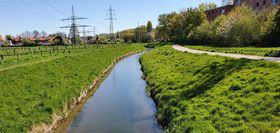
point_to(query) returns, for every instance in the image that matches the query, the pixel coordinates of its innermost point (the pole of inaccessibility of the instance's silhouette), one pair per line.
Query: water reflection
(120, 105)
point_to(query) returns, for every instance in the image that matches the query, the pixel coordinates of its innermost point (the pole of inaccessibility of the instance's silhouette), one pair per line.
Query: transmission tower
(74, 32)
(94, 31)
(111, 18)
(85, 33)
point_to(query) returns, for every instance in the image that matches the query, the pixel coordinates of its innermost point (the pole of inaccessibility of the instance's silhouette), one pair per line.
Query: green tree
(164, 26)
(243, 27)
(184, 23)
(128, 35)
(273, 30)
(218, 31)
(201, 34)
(149, 29)
(207, 6)
(149, 26)
(141, 34)
(9, 37)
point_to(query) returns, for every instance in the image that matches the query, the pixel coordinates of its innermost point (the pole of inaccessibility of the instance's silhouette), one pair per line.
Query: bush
(201, 34)
(271, 29)
(156, 44)
(242, 26)
(27, 42)
(217, 31)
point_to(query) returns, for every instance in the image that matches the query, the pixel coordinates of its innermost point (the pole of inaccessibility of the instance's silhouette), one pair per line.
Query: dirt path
(238, 56)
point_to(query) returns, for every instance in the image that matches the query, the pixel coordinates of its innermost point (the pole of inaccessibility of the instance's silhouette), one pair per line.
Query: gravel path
(238, 56)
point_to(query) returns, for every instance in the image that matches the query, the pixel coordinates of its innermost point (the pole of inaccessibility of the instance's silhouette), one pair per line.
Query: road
(237, 56)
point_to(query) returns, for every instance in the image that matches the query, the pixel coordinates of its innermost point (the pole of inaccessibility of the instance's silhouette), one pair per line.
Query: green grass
(237, 50)
(156, 44)
(56, 52)
(202, 93)
(29, 95)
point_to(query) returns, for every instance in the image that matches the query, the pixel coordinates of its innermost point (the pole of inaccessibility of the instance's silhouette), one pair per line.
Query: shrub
(201, 34)
(271, 29)
(242, 26)
(217, 30)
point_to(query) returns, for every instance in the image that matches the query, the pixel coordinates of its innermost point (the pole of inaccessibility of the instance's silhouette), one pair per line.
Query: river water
(120, 104)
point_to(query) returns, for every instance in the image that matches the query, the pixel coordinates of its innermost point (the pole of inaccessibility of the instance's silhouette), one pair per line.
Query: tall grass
(29, 95)
(202, 93)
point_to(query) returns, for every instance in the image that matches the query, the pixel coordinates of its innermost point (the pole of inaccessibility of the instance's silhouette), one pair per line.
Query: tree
(218, 31)
(149, 29)
(185, 23)
(128, 35)
(207, 6)
(201, 34)
(9, 37)
(141, 34)
(36, 34)
(272, 35)
(243, 27)
(149, 26)
(164, 27)
(44, 34)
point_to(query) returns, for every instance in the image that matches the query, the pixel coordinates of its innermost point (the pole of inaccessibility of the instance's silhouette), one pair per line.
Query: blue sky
(17, 16)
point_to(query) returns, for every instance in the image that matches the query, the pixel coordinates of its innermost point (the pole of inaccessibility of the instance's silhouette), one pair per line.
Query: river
(120, 104)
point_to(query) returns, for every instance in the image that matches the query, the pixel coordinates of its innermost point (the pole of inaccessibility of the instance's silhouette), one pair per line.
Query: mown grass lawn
(202, 93)
(30, 95)
(237, 50)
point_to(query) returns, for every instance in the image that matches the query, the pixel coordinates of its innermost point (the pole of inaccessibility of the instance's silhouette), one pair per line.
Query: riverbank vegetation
(31, 94)
(238, 50)
(241, 27)
(198, 93)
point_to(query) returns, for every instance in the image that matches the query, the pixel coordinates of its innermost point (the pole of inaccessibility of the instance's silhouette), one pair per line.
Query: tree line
(143, 33)
(28, 38)
(241, 27)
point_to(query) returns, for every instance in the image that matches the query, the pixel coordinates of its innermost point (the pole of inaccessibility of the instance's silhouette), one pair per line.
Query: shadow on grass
(212, 74)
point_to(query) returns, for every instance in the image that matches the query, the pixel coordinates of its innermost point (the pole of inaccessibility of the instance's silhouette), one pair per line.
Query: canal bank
(73, 107)
(120, 103)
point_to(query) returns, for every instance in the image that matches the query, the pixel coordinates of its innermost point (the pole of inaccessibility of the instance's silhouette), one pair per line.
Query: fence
(18, 52)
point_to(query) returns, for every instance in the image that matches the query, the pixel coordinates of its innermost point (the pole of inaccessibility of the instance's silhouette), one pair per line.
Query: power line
(85, 34)
(94, 31)
(43, 11)
(23, 10)
(53, 7)
(74, 33)
(111, 18)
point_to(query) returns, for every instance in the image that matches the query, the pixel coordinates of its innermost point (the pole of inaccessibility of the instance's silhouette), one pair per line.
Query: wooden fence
(18, 52)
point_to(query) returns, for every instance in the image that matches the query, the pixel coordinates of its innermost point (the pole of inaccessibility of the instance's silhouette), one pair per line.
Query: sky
(17, 16)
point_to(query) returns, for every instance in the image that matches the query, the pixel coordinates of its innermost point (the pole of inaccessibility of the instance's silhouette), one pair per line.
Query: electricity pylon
(111, 18)
(74, 32)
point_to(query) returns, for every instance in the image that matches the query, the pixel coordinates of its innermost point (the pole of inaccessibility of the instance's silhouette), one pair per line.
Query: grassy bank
(237, 50)
(202, 93)
(29, 95)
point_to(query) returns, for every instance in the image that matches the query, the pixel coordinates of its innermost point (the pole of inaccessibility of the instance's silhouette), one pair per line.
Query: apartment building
(257, 5)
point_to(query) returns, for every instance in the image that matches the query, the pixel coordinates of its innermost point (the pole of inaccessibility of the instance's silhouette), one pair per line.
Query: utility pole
(111, 18)
(74, 32)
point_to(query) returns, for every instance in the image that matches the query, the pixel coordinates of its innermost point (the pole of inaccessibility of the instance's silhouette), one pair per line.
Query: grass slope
(29, 95)
(237, 50)
(202, 93)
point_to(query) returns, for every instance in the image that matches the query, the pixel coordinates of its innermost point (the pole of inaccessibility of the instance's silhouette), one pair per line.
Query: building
(257, 5)
(2, 40)
(214, 13)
